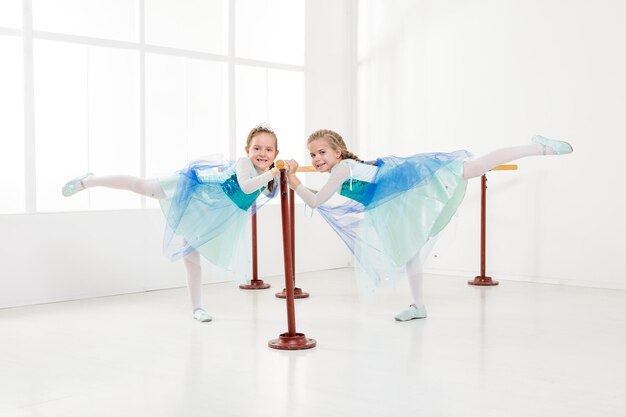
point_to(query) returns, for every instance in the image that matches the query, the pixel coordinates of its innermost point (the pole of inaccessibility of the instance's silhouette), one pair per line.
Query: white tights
(194, 279)
(415, 275)
(148, 187)
(152, 188)
(471, 169)
(479, 166)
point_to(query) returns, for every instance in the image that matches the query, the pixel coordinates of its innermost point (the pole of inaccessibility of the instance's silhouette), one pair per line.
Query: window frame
(29, 35)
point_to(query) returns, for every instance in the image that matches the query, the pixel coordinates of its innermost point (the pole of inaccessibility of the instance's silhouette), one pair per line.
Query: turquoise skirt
(388, 221)
(206, 211)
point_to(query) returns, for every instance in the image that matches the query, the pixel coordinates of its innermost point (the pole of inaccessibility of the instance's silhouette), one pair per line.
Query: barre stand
(255, 282)
(297, 292)
(482, 279)
(291, 340)
(258, 284)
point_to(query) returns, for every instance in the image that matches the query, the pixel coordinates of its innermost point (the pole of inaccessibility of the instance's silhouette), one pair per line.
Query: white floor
(519, 349)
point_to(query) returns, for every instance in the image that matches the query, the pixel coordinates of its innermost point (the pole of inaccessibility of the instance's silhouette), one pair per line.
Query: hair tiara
(264, 127)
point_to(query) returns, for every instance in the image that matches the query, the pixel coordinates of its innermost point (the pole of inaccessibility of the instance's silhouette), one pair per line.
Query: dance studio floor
(520, 349)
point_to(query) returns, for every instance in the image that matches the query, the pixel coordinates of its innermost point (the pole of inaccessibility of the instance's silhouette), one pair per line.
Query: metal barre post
(255, 283)
(483, 279)
(290, 340)
(297, 292)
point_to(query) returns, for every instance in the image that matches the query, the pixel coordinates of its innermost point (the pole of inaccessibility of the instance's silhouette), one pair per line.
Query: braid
(272, 183)
(350, 155)
(336, 142)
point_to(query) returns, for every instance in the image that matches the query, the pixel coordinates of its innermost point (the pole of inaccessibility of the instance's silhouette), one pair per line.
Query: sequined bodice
(361, 191)
(234, 192)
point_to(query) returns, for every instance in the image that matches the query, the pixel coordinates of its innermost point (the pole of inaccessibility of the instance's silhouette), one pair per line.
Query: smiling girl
(397, 206)
(206, 205)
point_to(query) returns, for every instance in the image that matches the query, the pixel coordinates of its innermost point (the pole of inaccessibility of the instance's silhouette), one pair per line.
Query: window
(104, 19)
(186, 112)
(276, 95)
(12, 126)
(11, 14)
(140, 88)
(270, 30)
(86, 107)
(191, 25)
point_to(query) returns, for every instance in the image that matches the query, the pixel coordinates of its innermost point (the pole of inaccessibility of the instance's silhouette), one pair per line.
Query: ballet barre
(306, 168)
(291, 340)
(483, 279)
(479, 280)
(255, 282)
(297, 292)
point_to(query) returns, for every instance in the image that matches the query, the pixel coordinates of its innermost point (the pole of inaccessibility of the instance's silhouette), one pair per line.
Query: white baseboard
(538, 280)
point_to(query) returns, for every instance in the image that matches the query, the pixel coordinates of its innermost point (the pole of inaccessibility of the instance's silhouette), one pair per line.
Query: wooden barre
(280, 164)
(505, 167)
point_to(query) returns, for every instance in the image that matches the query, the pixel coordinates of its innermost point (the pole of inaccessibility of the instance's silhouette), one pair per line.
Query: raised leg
(148, 187)
(541, 146)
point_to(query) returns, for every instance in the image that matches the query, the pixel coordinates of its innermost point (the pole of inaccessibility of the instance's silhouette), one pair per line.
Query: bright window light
(270, 30)
(192, 24)
(186, 112)
(186, 88)
(86, 107)
(108, 19)
(275, 97)
(12, 126)
(11, 13)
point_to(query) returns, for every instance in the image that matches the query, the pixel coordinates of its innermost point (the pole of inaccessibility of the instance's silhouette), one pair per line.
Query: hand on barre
(292, 166)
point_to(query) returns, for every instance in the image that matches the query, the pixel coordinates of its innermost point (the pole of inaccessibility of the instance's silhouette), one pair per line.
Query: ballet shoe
(558, 146)
(201, 315)
(70, 187)
(412, 313)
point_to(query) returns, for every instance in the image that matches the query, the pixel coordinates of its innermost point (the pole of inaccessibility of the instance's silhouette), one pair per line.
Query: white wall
(447, 75)
(63, 256)
(494, 74)
(330, 65)
(66, 256)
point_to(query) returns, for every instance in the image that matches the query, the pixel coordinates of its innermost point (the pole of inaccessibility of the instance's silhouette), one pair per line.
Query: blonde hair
(335, 141)
(263, 128)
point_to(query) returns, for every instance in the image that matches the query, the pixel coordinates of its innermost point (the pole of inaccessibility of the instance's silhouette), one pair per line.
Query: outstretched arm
(339, 174)
(247, 177)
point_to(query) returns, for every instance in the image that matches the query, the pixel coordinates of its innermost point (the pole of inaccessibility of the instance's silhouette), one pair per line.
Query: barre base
(296, 342)
(482, 281)
(255, 284)
(297, 293)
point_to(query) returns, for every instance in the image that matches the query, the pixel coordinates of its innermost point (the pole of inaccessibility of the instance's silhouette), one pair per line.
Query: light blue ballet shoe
(412, 313)
(70, 188)
(558, 146)
(201, 315)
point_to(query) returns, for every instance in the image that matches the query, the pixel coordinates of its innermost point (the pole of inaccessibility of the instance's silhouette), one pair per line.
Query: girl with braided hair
(396, 206)
(206, 206)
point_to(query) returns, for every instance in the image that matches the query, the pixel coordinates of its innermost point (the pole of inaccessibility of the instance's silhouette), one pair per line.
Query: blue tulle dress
(207, 211)
(394, 208)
